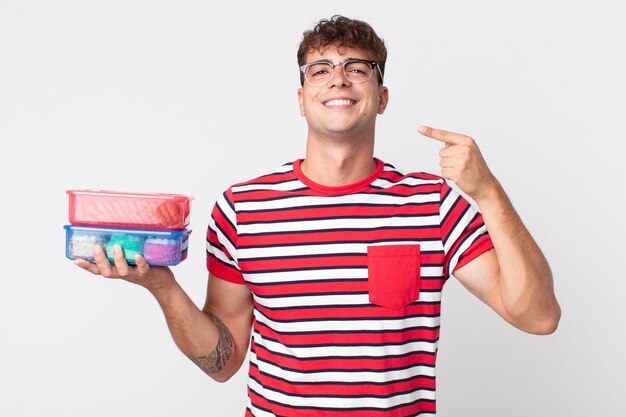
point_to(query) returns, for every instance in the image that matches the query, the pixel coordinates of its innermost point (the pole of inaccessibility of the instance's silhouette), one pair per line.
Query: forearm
(526, 286)
(517, 281)
(202, 337)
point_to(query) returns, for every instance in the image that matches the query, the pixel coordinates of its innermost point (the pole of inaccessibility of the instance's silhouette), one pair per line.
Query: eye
(358, 69)
(318, 70)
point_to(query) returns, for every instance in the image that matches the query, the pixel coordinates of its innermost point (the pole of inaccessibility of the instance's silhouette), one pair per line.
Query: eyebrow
(332, 62)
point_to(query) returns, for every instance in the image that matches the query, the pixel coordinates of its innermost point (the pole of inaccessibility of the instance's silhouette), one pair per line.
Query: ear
(301, 101)
(383, 99)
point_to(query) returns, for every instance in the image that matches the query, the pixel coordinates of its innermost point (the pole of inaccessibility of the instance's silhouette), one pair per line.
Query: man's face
(341, 106)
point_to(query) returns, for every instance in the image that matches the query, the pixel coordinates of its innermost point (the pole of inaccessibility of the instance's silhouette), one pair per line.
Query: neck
(335, 162)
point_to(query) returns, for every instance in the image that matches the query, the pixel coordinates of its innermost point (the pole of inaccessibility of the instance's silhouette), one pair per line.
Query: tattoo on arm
(215, 361)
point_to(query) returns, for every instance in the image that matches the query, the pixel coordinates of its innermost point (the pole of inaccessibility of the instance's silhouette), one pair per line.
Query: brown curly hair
(343, 32)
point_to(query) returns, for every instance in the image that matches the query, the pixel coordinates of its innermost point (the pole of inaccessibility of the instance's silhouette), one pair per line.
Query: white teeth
(342, 102)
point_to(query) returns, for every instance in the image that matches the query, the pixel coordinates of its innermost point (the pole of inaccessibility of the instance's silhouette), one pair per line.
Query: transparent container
(158, 247)
(129, 210)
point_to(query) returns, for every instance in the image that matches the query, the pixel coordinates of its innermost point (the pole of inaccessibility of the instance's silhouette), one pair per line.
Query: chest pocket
(393, 274)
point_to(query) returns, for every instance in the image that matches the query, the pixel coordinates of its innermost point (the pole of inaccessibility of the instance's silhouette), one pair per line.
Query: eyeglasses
(355, 70)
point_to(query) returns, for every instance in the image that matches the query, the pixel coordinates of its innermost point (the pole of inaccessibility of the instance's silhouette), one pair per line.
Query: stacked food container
(150, 225)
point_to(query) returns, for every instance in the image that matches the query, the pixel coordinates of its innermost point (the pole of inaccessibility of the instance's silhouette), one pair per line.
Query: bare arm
(515, 280)
(215, 338)
(230, 308)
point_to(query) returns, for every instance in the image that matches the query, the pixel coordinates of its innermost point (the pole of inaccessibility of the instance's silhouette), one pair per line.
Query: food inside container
(158, 247)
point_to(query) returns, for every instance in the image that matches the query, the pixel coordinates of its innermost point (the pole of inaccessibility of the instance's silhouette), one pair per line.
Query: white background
(190, 97)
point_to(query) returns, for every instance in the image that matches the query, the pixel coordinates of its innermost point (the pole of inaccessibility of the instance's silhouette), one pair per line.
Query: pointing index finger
(450, 138)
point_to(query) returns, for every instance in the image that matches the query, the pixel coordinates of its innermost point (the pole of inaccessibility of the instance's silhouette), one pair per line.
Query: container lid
(165, 233)
(109, 193)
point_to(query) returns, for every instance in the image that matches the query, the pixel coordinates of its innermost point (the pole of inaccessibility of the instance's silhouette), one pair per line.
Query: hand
(153, 278)
(462, 163)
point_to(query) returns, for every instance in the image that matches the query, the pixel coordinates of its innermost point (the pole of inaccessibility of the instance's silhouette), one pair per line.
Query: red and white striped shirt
(346, 284)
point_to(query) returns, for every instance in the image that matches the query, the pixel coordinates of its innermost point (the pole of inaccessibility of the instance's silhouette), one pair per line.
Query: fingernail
(422, 129)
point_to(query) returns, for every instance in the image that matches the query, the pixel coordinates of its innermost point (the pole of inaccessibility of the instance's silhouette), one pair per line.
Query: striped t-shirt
(346, 284)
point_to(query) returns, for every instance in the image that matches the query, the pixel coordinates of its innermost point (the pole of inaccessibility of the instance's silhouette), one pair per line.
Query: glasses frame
(343, 64)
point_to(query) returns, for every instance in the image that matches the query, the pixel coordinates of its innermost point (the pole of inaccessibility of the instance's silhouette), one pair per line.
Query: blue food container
(158, 247)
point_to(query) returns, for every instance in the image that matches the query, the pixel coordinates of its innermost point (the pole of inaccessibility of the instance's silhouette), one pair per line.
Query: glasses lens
(319, 74)
(358, 71)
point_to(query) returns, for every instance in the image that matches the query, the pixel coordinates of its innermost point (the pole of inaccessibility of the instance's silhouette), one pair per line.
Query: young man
(337, 261)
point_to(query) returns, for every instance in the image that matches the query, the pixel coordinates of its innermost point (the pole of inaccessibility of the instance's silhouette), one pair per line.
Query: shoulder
(260, 187)
(393, 176)
(280, 174)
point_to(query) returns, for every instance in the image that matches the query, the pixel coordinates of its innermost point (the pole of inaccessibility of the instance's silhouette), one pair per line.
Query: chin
(342, 128)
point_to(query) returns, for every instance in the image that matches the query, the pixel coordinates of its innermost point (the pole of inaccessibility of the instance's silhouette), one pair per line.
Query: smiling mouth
(340, 102)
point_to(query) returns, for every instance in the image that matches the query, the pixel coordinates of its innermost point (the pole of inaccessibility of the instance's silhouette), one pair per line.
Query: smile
(340, 102)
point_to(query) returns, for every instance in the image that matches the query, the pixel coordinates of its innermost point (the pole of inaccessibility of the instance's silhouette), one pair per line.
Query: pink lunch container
(129, 210)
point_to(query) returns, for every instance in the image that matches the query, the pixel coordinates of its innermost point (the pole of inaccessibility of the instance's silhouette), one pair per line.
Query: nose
(337, 77)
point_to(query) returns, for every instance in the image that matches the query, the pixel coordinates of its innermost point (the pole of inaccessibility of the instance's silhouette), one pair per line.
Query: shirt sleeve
(463, 232)
(221, 240)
